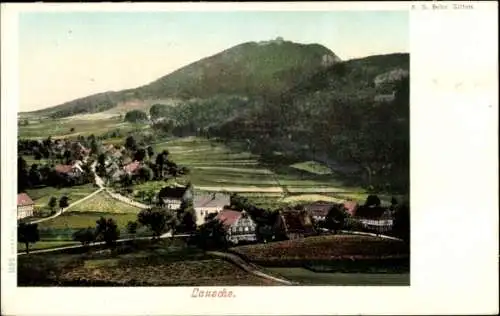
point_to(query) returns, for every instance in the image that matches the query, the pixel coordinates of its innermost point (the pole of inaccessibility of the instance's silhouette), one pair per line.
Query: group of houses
(290, 223)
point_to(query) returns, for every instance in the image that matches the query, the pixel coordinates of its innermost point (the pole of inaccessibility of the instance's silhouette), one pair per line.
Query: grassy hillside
(247, 69)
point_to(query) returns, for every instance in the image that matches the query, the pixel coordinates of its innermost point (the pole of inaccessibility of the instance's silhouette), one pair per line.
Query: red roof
(64, 168)
(228, 217)
(132, 167)
(23, 199)
(351, 207)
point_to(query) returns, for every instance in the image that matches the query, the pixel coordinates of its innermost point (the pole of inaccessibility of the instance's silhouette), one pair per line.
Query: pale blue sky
(69, 55)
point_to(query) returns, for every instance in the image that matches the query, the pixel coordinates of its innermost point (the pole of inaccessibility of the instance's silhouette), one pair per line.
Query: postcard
(199, 158)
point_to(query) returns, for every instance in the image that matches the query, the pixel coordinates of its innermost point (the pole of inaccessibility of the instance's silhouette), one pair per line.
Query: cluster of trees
(136, 116)
(63, 202)
(45, 175)
(106, 230)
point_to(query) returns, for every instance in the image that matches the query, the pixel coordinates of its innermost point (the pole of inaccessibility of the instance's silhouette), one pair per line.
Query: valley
(142, 182)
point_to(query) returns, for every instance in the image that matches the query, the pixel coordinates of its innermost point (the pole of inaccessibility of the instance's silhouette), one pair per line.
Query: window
(246, 228)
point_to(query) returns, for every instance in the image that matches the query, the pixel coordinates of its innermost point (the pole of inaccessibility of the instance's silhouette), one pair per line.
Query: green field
(103, 203)
(307, 277)
(215, 166)
(82, 126)
(78, 220)
(41, 196)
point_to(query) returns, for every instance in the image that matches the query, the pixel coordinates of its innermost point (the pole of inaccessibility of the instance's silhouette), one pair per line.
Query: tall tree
(85, 236)
(63, 202)
(22, 175)
(130, 143)
(150, 151)
(107, 231)
(52, 203)
(27, 234)
(158, 220)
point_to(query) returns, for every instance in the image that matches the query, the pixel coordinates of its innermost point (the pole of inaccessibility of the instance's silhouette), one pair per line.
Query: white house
(209, 203)
(239, 226)
(172, 197)
(25, 206)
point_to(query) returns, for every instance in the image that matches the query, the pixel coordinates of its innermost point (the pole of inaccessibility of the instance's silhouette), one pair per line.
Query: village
(115, 170)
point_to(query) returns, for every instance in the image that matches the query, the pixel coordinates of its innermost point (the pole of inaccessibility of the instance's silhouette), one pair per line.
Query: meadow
(82, 125)
(41, 196)
(218, 167)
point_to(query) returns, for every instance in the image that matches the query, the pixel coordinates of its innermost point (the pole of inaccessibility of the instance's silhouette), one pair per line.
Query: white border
(454, 123)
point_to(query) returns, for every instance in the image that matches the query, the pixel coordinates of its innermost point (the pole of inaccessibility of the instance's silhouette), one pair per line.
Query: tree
(161, 159)
(101, 159)
(158, 220)
(150, 151)
(107, 231)
(37, 155)
(67, 155)
(136, 116)
(85, 236)
(27, 234)
(94, 146)
(22, 174)
(35, 177)
(145, 173)
(372, 200)
(63, 202)
(140, 154)
(52, 204)
(335, 218)
(211, 235)
(130, 143)
(158, 110)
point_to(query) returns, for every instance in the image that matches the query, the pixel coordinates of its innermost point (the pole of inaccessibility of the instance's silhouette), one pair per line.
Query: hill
(354, 112)
(249, 69)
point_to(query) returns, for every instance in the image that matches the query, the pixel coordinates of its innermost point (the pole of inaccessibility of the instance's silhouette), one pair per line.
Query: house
(132, 167)
(209, 203)
(374, 218)
(25, 206)
(239, 226)
(72, 170)
(293, 224)
(319, 209)
(172, 196)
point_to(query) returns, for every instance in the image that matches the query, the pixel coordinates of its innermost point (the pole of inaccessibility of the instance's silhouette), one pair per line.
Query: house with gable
(294, 224)
(25, 206)
(73, 170)
(171, 197)
(319, 209)
(239, 225)
(375, 218)
(205, 204)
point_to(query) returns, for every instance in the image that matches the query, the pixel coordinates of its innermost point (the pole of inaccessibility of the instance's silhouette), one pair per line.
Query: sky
(67, 55)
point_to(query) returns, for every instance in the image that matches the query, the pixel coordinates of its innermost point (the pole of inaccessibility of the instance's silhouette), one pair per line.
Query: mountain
(356, 111)
(249, 69)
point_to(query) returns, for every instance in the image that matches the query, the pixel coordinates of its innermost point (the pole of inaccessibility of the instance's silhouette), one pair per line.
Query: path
(248, 267)
(166, 235)
(114, 195)
(65, 209)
